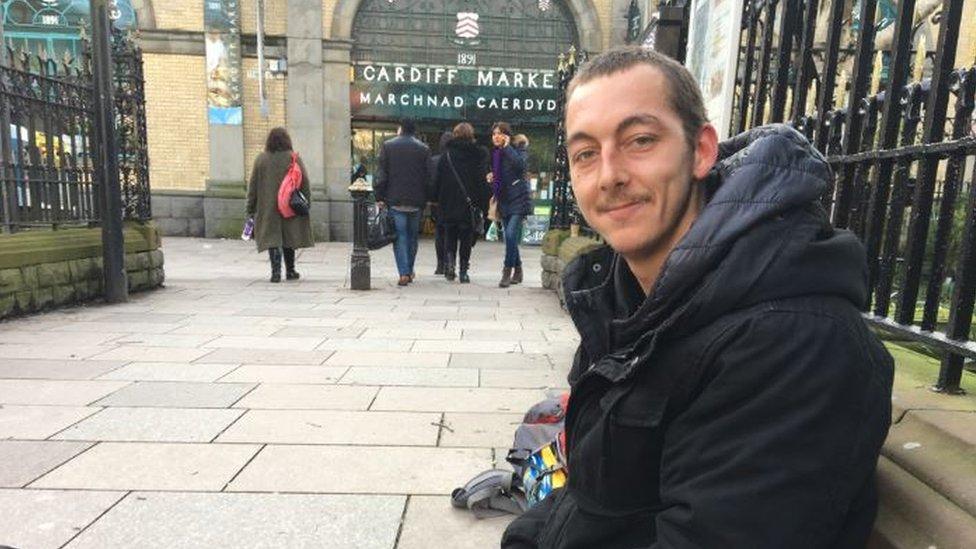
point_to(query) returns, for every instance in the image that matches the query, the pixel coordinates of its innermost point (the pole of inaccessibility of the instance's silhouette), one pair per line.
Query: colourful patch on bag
(545, 471)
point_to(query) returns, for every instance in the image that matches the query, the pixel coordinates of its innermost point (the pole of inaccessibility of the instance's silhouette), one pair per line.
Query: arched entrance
(445, 61)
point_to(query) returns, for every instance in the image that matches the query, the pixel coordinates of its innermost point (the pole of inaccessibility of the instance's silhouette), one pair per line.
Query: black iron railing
(49, 152)
(904, 167)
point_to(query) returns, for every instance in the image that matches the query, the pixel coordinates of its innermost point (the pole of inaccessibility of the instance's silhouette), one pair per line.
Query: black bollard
(359, 264)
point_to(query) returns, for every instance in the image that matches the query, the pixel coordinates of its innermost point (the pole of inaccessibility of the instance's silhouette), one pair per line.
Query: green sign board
(438, 92)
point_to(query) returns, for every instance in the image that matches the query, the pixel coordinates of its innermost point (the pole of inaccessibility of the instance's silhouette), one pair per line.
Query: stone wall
(558, 250)
(44, 269)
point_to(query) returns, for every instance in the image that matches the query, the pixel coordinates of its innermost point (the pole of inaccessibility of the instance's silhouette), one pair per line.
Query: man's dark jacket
(402, 177)
(742, 403)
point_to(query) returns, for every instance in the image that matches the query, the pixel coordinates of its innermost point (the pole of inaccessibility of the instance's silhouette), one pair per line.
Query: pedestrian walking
(511, 192)
(435, 212)
(726, 391)
(402, 181)
(461, 193)
(272, 232)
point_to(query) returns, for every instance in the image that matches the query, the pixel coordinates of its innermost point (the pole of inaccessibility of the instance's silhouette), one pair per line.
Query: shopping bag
(492, 235)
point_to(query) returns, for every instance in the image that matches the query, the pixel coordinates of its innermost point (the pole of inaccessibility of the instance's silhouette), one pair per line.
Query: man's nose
(612, 172)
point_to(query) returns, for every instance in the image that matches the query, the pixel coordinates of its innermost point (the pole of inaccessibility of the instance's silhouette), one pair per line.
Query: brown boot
(517, 275)
(506, 280)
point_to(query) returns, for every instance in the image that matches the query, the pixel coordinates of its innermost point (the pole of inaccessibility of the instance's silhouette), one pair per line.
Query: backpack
(538, 458)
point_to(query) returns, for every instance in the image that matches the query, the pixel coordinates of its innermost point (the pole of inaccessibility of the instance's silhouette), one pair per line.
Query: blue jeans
(513, 226)
(405, 248)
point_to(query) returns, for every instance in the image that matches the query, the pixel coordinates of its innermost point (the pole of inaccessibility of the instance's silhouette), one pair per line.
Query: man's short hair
(407, 126)
(683, 92)
(464, 131)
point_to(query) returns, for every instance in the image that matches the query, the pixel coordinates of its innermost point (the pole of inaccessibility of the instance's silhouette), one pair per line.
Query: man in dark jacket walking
(726, 392)
(401, 182)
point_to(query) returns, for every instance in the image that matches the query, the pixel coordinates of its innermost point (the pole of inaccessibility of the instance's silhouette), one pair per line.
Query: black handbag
(477, 216)
(299, 202)
(380, 228)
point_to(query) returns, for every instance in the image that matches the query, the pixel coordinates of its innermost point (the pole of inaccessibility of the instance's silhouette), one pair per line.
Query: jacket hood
(762, 235)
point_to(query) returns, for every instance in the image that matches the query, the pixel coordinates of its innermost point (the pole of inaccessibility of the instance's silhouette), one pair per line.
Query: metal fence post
(672, 30)
(359, 270)
(113, 247)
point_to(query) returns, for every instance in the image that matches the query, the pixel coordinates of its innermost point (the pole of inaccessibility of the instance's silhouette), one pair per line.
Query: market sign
(475, 94)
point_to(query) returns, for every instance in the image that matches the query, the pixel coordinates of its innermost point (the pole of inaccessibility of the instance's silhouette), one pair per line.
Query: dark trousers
(458, 240)
(439, 242)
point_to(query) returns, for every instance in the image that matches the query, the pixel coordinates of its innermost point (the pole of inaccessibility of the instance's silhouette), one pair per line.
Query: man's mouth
(622, 210)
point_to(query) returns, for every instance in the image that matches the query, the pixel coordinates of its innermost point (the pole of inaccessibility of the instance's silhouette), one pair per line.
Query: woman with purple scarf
(511, 191)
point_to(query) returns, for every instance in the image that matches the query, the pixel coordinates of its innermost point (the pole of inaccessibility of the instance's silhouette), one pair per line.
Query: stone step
(913, 515)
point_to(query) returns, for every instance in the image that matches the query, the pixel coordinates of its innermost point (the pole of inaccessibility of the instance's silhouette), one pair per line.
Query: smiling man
(726, 392)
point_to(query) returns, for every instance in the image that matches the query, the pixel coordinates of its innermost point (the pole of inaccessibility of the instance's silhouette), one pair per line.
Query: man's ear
(706, 151)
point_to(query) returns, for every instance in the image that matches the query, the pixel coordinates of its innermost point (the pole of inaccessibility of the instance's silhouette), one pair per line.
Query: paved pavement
(225, 411)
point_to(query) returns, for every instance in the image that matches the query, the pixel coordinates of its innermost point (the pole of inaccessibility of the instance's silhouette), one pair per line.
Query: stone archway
(583, 11)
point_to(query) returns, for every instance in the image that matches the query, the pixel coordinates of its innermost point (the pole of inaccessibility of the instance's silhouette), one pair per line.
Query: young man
(726, 392)
(401, 181)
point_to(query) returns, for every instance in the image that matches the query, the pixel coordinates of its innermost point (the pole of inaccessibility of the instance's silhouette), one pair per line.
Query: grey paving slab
(400, 359)
(265, 356)
(467, 346)
(483, 325)
(265, 343)
(524, 379)
(427, 377)
(320, 332)
(151, 520)
(358, 470)
(231, 329)
(394, 325)
(51, 351)
(468, 430)
(143, 317)
(276, 373)
(503, 335)
(152, 425)
(46, 338)
(321, 397)
(448, 399)
(169, 371)
(334, 427)
(151, 466)
(152, 354)
(164, 340)
(174, 394)
(39, 422)
(411, 333)
(381, 345)
(430, 518)
(515, 361)
(22, 461)
(549, 347)
(93, 327)
(68, 393)
(12, 368)
(47, 519)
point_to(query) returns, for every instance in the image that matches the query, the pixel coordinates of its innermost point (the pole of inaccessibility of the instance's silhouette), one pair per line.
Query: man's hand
(490, 177)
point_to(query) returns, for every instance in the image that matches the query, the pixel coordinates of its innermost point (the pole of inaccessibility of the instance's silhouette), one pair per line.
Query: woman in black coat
(462, 164)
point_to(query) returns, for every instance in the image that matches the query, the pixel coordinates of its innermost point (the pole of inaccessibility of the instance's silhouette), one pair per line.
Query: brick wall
(176, 98)
(275, 17)
(179, 15)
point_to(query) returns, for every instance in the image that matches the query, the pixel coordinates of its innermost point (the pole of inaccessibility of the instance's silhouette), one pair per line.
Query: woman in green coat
(272, 232)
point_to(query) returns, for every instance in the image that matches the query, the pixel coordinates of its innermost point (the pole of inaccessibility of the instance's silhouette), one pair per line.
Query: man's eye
(643, 140)
(582, 156)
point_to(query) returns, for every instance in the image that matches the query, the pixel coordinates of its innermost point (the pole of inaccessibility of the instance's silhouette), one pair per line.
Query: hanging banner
(713, 48)
(222, 24)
